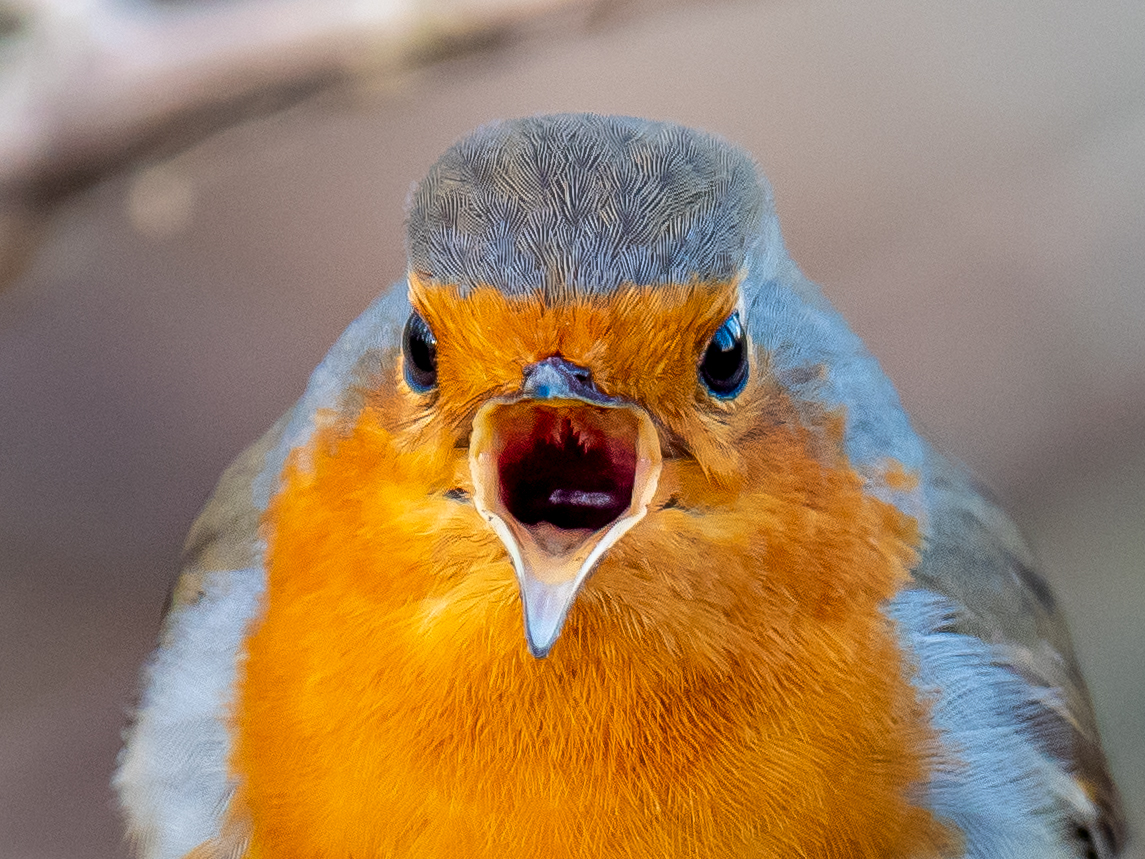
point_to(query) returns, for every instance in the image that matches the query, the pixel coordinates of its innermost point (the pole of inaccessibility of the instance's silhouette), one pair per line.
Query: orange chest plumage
(726, 684)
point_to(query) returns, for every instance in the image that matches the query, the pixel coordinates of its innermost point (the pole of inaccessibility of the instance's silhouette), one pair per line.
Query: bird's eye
(724, 365)
(420, 349)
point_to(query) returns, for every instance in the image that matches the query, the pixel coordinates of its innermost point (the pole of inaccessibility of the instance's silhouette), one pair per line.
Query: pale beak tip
(542, 637)
(546, 607)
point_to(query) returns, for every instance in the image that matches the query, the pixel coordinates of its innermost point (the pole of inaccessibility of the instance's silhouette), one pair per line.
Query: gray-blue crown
(585, 203)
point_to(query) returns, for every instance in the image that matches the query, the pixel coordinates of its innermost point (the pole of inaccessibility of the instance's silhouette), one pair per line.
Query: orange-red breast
(603, 536)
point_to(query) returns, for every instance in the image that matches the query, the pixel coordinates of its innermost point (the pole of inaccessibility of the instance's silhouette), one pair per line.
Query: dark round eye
(724, 366)
(420, 349)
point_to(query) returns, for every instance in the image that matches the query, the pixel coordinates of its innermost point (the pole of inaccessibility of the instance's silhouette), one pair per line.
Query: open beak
(560, 473)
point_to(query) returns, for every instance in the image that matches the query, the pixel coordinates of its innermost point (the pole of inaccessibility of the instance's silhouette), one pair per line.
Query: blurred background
(196, 197)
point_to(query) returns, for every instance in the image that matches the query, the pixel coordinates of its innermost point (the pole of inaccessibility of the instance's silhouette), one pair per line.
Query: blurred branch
(86, 85)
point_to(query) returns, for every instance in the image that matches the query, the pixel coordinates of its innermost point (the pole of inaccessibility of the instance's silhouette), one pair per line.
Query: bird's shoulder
(224, 540)
(987, 631)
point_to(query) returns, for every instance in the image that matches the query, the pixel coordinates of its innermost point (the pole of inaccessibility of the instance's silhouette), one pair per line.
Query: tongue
(578, 498)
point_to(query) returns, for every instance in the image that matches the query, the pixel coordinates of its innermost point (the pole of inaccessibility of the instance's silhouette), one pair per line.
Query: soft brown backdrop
(967, 181)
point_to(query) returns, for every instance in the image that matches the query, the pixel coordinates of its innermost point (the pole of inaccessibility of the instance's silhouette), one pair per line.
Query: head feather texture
(579, 203)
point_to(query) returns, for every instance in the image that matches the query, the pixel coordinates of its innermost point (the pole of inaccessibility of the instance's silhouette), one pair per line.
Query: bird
(601, 534)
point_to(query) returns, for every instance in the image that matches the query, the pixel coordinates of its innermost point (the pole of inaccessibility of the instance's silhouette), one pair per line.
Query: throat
(711, 695)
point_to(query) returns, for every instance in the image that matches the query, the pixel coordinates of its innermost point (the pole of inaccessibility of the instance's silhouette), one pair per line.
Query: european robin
(603, 536)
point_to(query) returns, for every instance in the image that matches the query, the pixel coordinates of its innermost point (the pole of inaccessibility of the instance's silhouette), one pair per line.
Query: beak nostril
(556, 378)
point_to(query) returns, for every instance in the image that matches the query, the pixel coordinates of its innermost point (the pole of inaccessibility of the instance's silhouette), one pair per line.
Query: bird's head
(576, 321)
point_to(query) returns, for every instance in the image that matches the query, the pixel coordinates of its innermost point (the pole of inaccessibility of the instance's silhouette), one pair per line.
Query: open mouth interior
(561, 480)
(573, 468)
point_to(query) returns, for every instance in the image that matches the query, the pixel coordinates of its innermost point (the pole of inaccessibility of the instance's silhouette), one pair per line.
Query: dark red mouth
(571, 466)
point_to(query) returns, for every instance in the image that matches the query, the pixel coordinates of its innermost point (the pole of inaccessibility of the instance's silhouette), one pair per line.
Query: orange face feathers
(642, 345)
